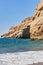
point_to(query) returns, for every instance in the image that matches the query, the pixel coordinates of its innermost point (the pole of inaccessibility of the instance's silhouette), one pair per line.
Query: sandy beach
(36, 64)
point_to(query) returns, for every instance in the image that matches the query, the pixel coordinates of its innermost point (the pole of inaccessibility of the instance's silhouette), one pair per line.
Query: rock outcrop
(20, 31)
(36, 27)
(31, 27)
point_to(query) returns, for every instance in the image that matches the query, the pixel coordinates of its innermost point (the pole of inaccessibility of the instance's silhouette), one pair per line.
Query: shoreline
(22, 58)
(36, 64)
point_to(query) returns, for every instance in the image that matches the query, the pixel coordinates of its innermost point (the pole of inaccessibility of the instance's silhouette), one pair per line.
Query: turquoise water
(19, 45)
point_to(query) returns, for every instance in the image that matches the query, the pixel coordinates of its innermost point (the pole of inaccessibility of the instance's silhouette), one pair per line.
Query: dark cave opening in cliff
(26, 32)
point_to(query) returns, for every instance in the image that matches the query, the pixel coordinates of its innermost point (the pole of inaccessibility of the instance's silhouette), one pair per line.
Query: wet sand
(36, 64)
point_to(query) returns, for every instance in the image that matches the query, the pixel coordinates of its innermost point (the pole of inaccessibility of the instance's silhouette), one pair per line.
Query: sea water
(20, 51)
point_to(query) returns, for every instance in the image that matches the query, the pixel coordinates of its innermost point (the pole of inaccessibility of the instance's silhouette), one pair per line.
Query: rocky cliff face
(20, 31)
(36, 27)
(31, 27)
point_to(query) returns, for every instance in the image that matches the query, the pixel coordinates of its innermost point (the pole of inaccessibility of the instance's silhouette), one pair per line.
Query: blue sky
(12, 12)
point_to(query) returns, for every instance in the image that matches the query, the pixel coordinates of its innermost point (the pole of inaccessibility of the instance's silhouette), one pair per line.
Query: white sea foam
(21, 58)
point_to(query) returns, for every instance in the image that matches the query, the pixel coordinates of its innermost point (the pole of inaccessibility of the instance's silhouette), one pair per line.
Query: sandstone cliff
(20, 31)
(31, 27)
(36, 27)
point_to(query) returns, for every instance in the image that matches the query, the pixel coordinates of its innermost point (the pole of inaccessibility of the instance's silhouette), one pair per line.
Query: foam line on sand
(21, 58)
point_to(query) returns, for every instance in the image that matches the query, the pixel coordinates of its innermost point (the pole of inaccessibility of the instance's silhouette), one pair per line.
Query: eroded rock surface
(36, 27)
(20, 31)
